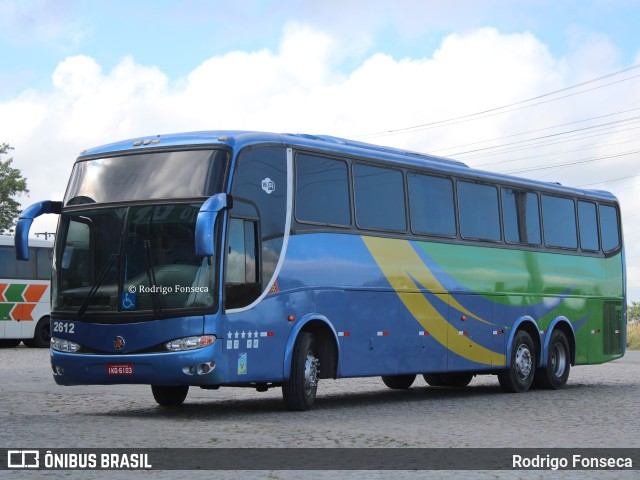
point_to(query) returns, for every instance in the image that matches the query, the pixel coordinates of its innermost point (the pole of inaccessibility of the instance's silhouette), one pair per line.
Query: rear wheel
(398, 382)
(519, 376)
(454, 380)
(433, 380)
(41, 336)
(299, 392)
(556, 373)
(169, 396)
(9, 342)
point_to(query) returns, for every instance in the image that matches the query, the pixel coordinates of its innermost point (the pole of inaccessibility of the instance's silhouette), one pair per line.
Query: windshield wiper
(151, 274)
(103, 274)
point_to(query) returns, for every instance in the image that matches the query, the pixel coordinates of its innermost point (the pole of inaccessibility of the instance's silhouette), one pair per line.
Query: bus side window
(520, 216)
(75, 255)
(379, 198)
(322, 191)
(478, 211)
(588, 222)
(242, 284)
(609, 228)
(431, 204)
(7, 261)
(559, 221)
(261, 179)
(45, 259)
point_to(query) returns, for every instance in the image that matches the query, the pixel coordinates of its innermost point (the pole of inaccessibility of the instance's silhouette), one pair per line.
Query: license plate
(120, 369)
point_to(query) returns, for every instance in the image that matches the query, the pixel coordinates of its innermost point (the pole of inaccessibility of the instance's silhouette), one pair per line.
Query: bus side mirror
(24, 225)
(206, 221)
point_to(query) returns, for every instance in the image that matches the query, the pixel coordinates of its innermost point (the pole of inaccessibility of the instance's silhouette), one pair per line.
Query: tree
(12, 183)
(633, 312)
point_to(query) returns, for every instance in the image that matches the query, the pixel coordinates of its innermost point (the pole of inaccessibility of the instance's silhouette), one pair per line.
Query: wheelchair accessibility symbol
(128, 301)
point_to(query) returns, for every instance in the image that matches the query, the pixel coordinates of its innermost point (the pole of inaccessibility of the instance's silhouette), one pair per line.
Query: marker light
(62, 345)
(190, 343)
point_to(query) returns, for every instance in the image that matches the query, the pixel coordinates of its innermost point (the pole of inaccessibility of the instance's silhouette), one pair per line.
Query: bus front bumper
(195, 367)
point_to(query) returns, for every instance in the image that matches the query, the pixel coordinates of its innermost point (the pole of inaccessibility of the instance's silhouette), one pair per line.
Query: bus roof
(238, 139)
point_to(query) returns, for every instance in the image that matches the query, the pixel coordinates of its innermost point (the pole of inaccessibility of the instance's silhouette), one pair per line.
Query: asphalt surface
(600, 407)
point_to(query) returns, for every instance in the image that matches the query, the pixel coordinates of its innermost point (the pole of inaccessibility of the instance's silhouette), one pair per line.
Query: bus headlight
(190, 343)
(63, 345)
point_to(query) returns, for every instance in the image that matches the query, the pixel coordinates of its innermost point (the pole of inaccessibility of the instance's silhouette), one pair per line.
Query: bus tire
(299, 392)
(398, 382)
(41, 335)
(9, 342)
(169, 396)
(519, 376)
(456, 380)
(556, 373)
(433, 380)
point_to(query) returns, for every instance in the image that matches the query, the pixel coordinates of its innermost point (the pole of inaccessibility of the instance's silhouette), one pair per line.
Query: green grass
(633, 336)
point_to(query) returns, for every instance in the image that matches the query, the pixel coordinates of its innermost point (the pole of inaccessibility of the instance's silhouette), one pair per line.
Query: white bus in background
(25, 299)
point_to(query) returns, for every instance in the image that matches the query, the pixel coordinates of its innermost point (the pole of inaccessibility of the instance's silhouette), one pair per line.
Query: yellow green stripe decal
(400, 264)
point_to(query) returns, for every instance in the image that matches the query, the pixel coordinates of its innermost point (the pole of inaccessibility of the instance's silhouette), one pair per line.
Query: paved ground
(599, 407)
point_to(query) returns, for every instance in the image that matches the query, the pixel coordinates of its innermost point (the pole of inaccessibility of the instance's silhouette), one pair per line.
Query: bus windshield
(131, 259)
(145, 176)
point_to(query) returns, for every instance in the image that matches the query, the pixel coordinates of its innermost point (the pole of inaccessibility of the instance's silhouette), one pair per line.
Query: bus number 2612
(63, 327)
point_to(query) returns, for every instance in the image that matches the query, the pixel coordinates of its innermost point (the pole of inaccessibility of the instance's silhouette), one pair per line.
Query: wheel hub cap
(311, 373)
(524, 361)
(558, 360)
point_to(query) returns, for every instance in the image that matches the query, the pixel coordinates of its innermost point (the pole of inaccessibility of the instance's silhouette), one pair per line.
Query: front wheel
(556, 373)
(519, 376)
(41, 335)
(398, 382)
(299, 392)
(169, 396)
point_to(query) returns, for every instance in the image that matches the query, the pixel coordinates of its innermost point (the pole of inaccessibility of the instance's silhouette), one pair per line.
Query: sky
(547, 90)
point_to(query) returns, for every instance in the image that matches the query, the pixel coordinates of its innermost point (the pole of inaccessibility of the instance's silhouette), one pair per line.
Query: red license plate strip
(120, 369)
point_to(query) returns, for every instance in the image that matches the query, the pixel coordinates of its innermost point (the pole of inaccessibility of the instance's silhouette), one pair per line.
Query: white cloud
(300, 88)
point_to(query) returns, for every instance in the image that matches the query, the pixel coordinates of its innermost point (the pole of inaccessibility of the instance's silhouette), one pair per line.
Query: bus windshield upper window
(185, 174)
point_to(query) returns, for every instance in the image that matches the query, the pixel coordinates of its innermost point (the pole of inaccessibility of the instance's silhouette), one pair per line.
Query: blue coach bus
(227, 258)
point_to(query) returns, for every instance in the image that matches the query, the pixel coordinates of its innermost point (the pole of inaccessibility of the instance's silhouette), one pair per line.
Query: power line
(609, 181)
(494, 111)
(562, 152)
(614, 122)
(532, 131)
(573, 138)
(556, 165)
